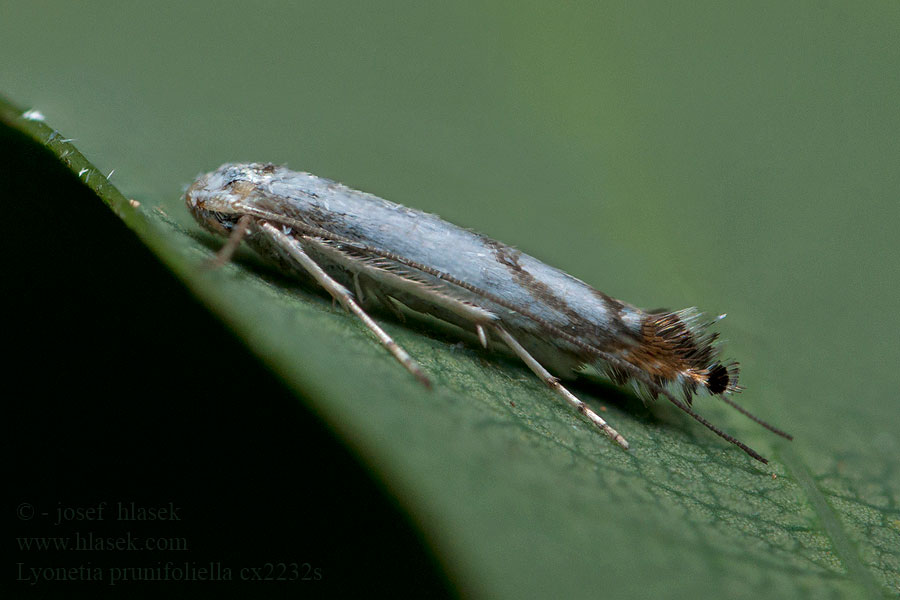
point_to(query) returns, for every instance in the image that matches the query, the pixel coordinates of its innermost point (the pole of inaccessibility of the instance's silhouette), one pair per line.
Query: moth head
(215, 199)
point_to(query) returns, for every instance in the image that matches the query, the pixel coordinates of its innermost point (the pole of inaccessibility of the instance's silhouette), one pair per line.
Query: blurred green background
(740, 157)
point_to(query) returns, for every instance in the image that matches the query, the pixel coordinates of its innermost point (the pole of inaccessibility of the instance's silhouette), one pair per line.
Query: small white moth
(343, 239)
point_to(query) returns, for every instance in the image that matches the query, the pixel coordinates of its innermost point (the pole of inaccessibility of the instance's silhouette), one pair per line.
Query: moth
(367, 252)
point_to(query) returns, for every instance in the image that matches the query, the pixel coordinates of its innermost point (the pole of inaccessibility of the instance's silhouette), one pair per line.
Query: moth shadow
(593, 389)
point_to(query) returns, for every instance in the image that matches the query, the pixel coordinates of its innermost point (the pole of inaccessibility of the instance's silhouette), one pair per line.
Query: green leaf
(746, 162)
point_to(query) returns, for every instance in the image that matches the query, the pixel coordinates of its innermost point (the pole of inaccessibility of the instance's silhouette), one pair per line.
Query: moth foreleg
(225, 253)
(343, 295)
(554, 383)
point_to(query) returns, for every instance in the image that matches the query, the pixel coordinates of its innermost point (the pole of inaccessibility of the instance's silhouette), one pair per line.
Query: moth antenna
(753, 417)
(718, 431)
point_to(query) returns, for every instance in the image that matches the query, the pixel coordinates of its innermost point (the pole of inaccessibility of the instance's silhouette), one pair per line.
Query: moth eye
(227, 221)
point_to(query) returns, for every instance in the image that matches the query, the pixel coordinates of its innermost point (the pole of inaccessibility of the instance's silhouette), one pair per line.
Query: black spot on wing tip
(718, 379)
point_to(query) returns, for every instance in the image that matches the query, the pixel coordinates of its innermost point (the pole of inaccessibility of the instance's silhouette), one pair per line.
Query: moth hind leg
(545, 376)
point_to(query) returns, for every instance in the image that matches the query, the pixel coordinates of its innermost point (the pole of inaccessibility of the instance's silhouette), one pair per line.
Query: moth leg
(482, 335)
(343, 295)
(359, 292)
(225, 253)
(391, 304)
(554, 383)
(369, 296)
